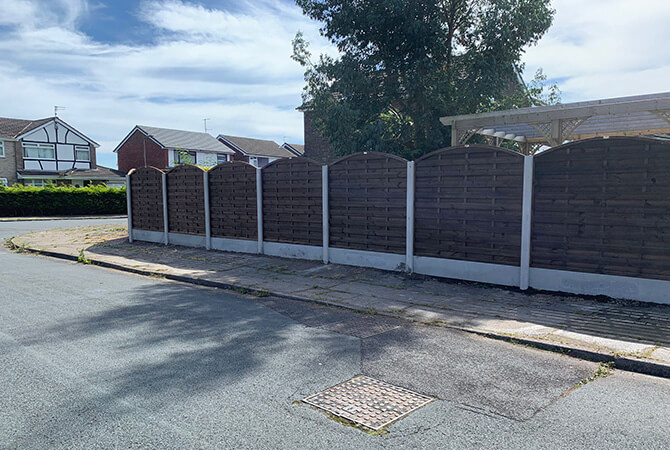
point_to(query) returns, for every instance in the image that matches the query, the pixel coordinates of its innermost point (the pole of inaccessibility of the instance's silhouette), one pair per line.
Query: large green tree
(403, 64)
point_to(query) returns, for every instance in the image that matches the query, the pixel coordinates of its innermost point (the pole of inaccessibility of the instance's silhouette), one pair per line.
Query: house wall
(8, 163)
(65, 142)
(131, 154)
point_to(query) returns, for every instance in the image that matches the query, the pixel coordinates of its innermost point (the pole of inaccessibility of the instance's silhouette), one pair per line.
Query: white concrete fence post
(166, 238)
(409, 229)
(208, 224)
(129, 207)
(526, 220)
(259, 208)
(325, 214)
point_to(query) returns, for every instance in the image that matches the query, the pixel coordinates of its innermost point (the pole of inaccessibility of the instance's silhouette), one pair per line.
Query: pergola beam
(548, 114)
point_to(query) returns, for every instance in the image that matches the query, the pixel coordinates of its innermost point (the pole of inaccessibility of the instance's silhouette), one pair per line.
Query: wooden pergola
(539, 127)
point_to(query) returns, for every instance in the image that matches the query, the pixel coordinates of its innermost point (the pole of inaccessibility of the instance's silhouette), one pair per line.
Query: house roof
(12, 128)
(256, 147)
(297, 148)
(180, 139)
(17, 128)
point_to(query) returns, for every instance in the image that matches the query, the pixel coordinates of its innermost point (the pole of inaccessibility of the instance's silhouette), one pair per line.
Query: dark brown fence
(468, 205)
(368, 202)
(599, 206)
(603, 206)
(146, 198)
(292, 202)
(186, 200)
(233, 201)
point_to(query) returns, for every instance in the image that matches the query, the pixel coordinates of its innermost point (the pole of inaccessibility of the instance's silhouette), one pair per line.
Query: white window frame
(51, 147)
(35, 182)
(82, 148)
(222, 157)
(3, 182)
(2, 151)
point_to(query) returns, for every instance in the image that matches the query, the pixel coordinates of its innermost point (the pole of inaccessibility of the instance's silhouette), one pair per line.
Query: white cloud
(606, 48)
(234, 68)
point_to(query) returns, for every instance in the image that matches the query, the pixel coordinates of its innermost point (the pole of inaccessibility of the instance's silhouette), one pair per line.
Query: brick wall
(8, 163)
(317, 146)
(131, 154)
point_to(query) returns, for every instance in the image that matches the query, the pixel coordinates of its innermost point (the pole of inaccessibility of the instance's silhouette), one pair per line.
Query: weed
(605, 369)
(82, 258)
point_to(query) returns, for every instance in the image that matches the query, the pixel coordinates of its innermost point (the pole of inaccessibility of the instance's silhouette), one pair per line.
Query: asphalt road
(93, 358)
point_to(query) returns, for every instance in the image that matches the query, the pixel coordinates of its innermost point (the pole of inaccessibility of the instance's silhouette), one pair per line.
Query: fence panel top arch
(186, 200)
(232, 200)
(292, 202)
(468, 204)
(603, 206)
(368, 202)
(146, 196)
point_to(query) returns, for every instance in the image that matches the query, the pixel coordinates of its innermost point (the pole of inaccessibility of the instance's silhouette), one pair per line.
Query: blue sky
(171, 63)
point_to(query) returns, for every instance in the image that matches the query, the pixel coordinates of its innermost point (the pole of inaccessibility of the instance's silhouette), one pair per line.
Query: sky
(172, 63)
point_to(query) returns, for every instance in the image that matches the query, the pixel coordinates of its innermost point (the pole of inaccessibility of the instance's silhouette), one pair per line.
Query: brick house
(163, 148)
(38, 152)
(258, 152)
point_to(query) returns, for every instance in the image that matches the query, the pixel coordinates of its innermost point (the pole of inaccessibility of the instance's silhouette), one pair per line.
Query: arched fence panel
(233, 201)
(603, 206)
(146, 186)
(368, 203)
(186, 200)
(292, 202)
(468, 205)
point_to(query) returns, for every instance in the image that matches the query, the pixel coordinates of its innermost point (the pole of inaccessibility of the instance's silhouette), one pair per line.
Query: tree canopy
(404, 64)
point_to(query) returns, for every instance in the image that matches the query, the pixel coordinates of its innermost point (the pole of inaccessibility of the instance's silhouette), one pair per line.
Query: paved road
(92, 358)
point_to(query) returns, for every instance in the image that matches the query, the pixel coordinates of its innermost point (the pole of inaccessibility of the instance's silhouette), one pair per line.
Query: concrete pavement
(93, 358)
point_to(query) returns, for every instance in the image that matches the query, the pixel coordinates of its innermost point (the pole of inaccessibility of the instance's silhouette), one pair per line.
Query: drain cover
(368, 402)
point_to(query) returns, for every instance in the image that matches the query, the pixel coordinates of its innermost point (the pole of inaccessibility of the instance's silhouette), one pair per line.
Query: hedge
(27, 201)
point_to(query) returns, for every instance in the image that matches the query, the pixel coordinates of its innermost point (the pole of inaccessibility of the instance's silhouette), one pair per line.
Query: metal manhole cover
(368, 402)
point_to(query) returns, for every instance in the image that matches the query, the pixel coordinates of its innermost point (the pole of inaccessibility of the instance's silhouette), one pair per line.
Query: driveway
(92, 358)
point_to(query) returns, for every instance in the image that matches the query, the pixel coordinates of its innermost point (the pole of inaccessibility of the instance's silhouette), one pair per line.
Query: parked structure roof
(552, 125)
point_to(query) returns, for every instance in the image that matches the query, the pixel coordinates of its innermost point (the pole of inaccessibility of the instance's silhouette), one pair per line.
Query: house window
(2, 149)
(36, 183)
(82, 153)
(184, 157)
(39, 151)
(3, 181)
(221, 158)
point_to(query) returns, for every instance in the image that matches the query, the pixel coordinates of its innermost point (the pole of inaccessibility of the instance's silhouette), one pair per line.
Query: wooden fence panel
(292, 202)
(468, 205)
(368, 202)
(232, 200)
(146, 189)
(603, 206)
(186, 200)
